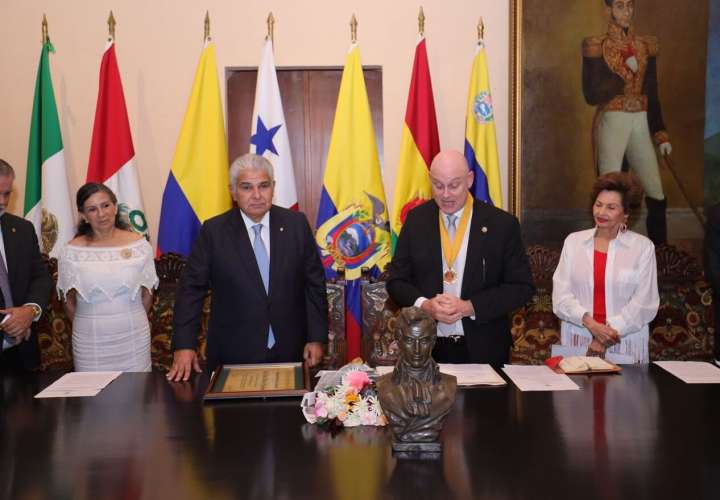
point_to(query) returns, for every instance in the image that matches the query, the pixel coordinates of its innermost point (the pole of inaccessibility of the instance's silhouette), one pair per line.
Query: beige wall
(159, 42)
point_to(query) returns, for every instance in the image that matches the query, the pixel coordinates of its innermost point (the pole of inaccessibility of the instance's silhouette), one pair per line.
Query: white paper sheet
(692, 372)
(539, 378)
(473, 374)
(78, 384)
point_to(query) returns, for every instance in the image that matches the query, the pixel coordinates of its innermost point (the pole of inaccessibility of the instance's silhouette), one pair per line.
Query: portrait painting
(604, 85)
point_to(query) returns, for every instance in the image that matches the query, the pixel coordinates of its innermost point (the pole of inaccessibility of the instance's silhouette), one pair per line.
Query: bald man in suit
(469, 288)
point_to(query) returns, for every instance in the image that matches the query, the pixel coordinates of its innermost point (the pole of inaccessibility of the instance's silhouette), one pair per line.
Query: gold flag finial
(421, 22)
(481, 30)
(45, 35)
(111, 25)
(353, 29)
(271, 28)
(206, 36)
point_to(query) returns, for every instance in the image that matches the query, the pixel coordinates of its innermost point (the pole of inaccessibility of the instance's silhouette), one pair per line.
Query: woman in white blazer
(605, 286)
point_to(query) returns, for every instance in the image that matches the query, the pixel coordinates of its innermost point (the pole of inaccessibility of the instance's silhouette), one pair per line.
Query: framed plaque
(258, 381)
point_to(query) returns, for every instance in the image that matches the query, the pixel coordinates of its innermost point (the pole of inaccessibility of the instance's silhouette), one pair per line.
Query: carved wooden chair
(534, 327)
(684, 326)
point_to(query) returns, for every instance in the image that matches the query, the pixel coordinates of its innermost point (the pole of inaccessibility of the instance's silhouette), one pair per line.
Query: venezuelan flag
(480, 142)
(420, 143)
(353, 229)
(197, 187)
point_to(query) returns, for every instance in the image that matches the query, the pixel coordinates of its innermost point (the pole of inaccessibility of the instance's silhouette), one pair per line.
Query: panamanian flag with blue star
(269, 135)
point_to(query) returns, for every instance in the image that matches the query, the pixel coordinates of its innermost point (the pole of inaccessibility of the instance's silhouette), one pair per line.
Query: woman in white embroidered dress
(605, 286)
(106, 274)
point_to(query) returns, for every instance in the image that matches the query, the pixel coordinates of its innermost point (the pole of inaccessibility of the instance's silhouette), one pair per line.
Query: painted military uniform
(620, 78)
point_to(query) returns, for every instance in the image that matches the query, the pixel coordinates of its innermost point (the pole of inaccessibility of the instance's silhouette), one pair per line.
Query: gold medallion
(125, 253)
(449, 276)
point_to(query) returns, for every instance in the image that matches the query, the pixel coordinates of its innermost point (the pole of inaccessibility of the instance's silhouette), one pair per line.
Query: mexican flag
(47, 195)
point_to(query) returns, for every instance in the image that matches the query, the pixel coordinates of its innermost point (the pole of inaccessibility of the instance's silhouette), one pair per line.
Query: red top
(599, 261)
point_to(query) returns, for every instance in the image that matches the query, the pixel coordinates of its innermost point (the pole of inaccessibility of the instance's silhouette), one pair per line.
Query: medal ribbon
(450, 251)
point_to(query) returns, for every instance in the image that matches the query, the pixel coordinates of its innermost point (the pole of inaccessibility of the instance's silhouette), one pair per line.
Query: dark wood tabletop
(640, 434)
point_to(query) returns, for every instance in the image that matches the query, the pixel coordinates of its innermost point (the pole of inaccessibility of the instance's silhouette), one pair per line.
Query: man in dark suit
(462, 261)
(268, 285)
(712, 266)
(25, 284)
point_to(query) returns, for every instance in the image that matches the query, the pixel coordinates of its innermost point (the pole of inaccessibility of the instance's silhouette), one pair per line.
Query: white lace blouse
(102, 273)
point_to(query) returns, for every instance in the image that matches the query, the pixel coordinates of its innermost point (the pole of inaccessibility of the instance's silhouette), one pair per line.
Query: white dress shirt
(631, 290)
(445, 329)
(264, 232)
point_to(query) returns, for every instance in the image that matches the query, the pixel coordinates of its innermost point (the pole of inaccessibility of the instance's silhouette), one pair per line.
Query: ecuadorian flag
(197, 187)
(352, 224)
(419, 145)
(480, 142)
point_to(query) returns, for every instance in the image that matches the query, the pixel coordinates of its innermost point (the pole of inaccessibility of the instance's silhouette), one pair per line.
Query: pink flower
(320, 409)
(357, 379)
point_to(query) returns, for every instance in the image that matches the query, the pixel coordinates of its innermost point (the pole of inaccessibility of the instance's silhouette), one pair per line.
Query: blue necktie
(263, 262)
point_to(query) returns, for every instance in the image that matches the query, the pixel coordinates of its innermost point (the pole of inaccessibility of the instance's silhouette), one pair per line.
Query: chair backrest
(54, 329)
(683, 329)
(684, 326)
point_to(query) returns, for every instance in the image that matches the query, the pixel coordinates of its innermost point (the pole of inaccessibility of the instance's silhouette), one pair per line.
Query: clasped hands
(447, 308)
(17, 324)
(604, 336)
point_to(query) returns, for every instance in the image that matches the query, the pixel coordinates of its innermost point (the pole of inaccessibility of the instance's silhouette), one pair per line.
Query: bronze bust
(416, 397)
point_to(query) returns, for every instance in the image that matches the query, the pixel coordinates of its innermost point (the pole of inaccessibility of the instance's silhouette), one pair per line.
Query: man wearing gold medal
(462, 261)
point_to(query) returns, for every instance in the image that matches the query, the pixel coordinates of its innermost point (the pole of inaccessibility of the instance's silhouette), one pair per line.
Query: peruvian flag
(112, 156)
(269, 135)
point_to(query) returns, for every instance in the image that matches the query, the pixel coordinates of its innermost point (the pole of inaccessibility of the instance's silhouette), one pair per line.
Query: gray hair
(250, 161)
(6, 169)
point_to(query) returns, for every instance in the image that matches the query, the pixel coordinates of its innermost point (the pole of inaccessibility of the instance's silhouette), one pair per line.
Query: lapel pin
(484, 229)
(13, 230)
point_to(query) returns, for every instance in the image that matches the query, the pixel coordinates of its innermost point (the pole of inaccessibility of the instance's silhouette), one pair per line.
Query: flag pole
(353, 29)
(271, 29)
(45, 35)
(206, 27)
(111, 26)
(421, 22)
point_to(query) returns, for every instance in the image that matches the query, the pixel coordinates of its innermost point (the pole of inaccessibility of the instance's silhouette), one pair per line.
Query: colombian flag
(352, 225)
(480, 143)
(197, 187)
(420, 143)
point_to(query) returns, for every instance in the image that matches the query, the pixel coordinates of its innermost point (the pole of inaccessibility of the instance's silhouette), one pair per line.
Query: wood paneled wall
(309, 98)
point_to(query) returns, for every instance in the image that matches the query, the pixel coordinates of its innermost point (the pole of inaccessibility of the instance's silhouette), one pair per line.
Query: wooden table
(640, 434)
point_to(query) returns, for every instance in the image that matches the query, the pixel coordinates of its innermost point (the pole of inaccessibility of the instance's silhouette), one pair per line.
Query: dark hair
(6, 169)
(626, 184)
(85, 192)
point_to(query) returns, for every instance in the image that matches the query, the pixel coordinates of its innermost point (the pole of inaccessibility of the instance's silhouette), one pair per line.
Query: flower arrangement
(346, 398)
